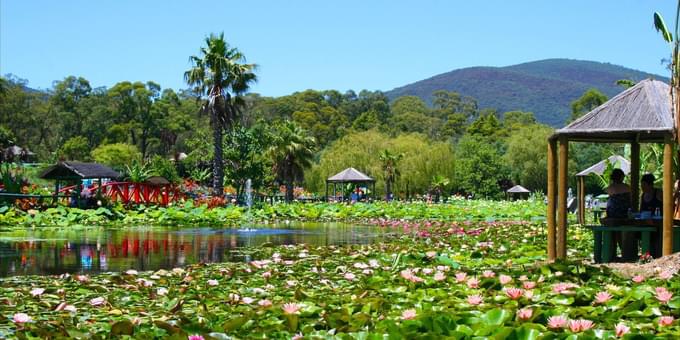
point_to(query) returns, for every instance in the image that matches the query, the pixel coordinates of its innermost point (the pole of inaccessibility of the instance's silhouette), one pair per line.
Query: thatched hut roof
(642, 112)
(77, 170)
(350, 175)
(599, 167)
(157, 180)
(518, 189)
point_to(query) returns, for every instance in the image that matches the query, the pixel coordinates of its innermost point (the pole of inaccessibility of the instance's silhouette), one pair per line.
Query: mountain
(544, 87)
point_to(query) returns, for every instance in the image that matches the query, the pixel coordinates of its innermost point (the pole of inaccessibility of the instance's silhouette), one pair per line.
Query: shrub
(76, 149)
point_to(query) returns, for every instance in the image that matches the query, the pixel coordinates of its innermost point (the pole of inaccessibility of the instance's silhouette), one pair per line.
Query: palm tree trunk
(218, 166)
(289, 191)
(388, 190)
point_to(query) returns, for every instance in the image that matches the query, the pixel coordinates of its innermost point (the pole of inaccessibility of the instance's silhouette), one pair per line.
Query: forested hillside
(545, 87)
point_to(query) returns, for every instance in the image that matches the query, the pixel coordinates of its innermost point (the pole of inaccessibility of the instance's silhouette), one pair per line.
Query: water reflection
(99, 249)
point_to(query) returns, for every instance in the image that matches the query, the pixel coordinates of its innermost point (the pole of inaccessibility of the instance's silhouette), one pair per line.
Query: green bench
(602, 236)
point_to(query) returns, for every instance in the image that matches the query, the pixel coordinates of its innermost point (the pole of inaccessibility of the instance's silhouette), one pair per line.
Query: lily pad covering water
(457, 280)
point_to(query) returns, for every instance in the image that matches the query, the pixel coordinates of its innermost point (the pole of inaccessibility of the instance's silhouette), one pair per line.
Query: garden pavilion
(517, 190)
(640, 114)
(599, 169)
(349, 175)
(76, 171)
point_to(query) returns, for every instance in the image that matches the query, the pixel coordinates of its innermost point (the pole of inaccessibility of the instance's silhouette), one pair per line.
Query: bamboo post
(667, 233)
(581, 200)
(552, 169)
(635, 174)
(562, 199)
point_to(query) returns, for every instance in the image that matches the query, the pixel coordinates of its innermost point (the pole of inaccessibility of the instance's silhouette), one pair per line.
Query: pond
(92, 250)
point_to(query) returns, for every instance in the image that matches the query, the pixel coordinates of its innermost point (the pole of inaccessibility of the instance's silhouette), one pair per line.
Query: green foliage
(137, 172)
(390, 167)
(526, 156)
(75, 149)
(117, 156)
(292, 151)
(161, 166)
(587, 102)
(6, 137)
(479, 167)
(245, 158)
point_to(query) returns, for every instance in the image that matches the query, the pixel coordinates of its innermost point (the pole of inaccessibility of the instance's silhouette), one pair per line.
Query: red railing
(129, 192)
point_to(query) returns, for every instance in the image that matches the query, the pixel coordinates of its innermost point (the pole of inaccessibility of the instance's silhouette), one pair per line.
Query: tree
(221, 74)
(479, 167)
(587, 102)
(526, 156)
(292, 151)
(117, 156)
(244, 158)
(439, 184)
(75, 149)
(390, 168)
(674, 44)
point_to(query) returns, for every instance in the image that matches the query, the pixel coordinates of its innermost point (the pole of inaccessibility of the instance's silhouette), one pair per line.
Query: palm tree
(291, 152)
(389, 164)
(221, 74)
(439, 183)
(674, 43)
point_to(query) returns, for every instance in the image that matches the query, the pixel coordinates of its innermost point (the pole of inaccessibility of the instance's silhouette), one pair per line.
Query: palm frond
(660, 26)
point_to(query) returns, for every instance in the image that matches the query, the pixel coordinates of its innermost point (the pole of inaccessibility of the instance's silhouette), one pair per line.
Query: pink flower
(349, 276)
(70, 308)
(431, 254)
(460, 277)
(580, 325)
(374, 263)
(234, 298)
(162, 291)
(529, 284)
(297, 336)
(264, 303)
(428, 271)
(474, 299)
(408, 314)
(488, 274)
(638, 278)
(666, 320)
(439, 276)
(504, 279)
(267, 275)
(514, 293)
(195, 337)
(131, 272)
(291, 308)
(525, 313)
(82, 278)
(473, 282)
(98, 301)
(37, 291)
(212, 283)
(621, 330)
(666, 274)
(563, 287)
(523, 278)
(663, 295)
(408, 275)
(557, 321)
(602, 298)
(21, 318)
(367, 271)
(248, 300)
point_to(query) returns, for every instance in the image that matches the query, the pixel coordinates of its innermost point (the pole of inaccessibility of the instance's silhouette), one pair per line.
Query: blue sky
(375, 45)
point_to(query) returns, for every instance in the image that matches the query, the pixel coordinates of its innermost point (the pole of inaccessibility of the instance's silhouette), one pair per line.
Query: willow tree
(220, 74)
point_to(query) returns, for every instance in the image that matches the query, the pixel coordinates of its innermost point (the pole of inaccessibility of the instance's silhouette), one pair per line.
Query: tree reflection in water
(48, 252)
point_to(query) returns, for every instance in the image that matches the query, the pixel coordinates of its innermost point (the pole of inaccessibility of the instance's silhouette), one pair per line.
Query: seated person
(618, 206)
(652, 198)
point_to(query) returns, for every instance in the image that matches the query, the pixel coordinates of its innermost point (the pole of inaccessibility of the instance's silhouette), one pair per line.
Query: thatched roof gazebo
(77, 171)
(640, 114)
(518, 189)
(599, 169)
(349, 175)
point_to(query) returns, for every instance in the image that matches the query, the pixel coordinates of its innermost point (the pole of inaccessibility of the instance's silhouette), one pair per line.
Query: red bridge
(129, 192)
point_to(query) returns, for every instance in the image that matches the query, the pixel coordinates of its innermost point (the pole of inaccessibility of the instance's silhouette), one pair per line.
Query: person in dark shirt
(618, 206)
(652, 198)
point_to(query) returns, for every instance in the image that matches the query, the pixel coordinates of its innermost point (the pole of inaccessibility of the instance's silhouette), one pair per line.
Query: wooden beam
(667, 234)
(562, 199)
(581, 188)
(635, 174)
(552, 190)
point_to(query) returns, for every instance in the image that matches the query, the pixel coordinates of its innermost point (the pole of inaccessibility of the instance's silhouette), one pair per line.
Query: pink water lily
(439, 276)
(460, 277)
(195, 337)
(37, 291)
(475, 299)
(291, 308)
(349, 276)
(580, 325)
(666, 275)
(98, 301)
(21, 318)
(621, 330)
(529, 284)
(638, 278)
(602, 297)
(473, 282)
(431, 254)
(488, 274)
(408, 275)
(525, 313)
(297, 336)
(264, 303)
(514, 293)
(213, 283)
(666, 321)
(663, 295)
(408, 314)
(557, 321)
(504, 279)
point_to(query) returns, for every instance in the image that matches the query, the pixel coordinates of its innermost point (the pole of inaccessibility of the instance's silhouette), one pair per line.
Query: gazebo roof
(350, 175)
(77, 170)
(518, 189)
(599, 167)
(642, 112)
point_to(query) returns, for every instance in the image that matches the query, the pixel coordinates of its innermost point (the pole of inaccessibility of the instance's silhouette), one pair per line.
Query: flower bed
(437, 279)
